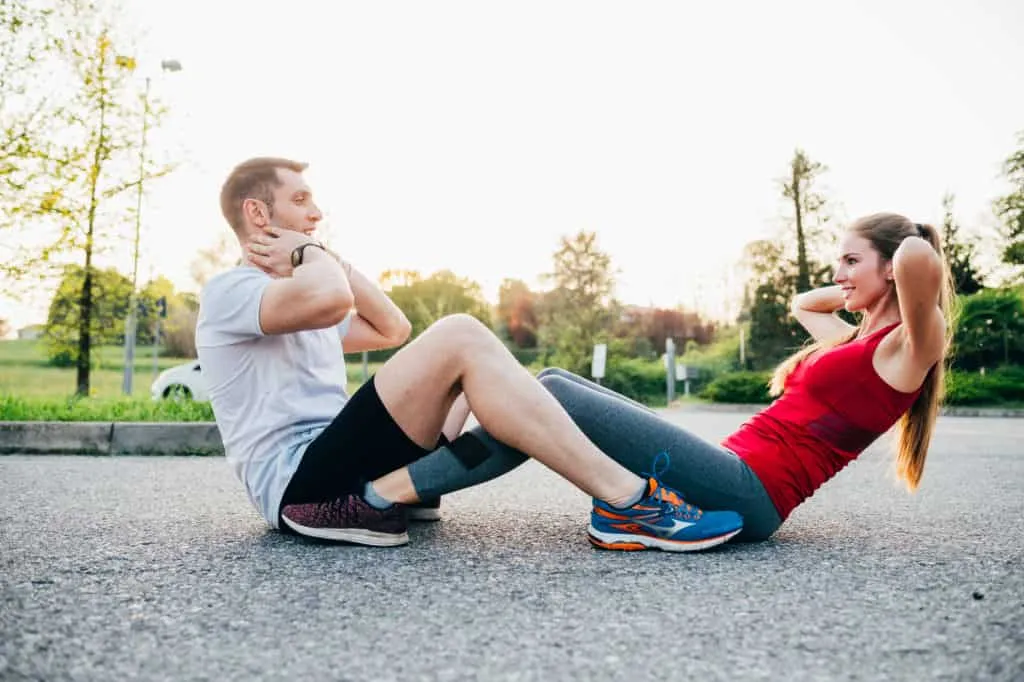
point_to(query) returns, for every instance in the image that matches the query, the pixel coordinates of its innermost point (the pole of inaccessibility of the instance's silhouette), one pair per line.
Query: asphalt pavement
(157, 568)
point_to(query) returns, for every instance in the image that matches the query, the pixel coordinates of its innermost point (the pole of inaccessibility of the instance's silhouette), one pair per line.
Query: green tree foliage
(516, 314)
(960, 253)
(426, 300)
(75, 197)
(111, 292)
(30, 117)
(1010, 207)
(774, 333)
(809, 213)
(579, 309)
(780, 269)
(990, 330)
(148, 296)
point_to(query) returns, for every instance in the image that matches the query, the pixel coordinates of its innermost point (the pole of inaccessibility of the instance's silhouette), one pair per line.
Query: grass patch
(124, 409)
(25, 371)
(33, 390)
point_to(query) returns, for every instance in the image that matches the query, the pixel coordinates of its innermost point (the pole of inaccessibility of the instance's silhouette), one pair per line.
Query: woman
(837, 396)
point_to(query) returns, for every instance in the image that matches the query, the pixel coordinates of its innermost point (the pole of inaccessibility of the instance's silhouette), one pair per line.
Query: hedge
(995, 387)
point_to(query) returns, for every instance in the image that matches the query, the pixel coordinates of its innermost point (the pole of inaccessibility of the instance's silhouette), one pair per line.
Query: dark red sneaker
(349, 519)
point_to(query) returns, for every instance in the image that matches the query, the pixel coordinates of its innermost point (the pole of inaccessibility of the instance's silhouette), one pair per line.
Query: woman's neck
(883, 314)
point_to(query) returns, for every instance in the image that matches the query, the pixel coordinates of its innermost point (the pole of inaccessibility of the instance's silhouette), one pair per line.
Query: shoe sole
(634, 543)
(357, 536)
(423, 514)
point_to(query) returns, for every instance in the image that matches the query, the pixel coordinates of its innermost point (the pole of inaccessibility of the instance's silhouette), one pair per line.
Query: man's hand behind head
(271, 250)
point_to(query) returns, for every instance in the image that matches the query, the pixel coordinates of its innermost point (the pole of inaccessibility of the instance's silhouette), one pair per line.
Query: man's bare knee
(463, 332)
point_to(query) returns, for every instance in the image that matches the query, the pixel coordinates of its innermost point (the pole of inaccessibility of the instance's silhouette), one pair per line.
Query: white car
(181, 382)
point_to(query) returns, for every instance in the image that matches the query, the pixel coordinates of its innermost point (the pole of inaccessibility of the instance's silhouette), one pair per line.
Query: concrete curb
(993, 412)
(110, 438)
(203, 438)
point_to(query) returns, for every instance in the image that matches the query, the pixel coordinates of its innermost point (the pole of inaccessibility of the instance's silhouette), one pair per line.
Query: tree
(65, 184)
(771, 286)
(517, 313)
(651, 327)
(1010, 207)
(111, 292)
(5, 328)
(579, 309)
(217, 258)
(100, 153)
(30, 115)
(959, 253)
(809, 211)
(150, 294)
(424, 301)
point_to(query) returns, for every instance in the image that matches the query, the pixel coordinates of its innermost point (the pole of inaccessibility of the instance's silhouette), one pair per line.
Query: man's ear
(888, 271)
(256, 211)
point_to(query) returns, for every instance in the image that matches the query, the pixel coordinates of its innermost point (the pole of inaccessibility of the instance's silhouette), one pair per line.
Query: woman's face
(862, 272)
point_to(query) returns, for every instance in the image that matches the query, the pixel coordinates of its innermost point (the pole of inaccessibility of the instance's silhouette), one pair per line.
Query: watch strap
(299, 251)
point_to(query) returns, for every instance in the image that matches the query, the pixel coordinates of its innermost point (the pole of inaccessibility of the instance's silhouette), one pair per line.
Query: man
(270, 337)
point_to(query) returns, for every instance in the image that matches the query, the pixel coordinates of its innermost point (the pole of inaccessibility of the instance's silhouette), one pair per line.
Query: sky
(473, 135)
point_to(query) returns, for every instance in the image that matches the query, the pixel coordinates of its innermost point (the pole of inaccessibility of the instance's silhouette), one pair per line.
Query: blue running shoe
(660, 520)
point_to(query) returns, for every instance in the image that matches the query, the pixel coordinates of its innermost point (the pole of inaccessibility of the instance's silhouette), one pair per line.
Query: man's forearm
(320, 272)
(375, 307)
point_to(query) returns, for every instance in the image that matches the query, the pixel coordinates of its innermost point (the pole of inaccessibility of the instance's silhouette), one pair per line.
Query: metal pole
(670, 369)
(130, 325)
(743, 350)
(156, 346)
(366, 366)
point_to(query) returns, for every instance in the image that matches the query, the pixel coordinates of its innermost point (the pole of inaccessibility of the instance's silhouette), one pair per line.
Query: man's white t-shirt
(271, 394)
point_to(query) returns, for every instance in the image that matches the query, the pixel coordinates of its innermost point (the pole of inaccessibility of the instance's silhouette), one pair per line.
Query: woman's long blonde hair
(885, 231)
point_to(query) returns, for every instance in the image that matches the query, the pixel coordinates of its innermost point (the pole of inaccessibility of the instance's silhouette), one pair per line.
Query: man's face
(293, 204)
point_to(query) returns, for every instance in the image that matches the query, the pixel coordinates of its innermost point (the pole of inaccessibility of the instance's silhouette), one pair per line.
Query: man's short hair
(253, 179)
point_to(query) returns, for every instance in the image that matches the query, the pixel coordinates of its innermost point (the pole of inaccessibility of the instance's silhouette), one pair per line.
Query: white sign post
(598, 362)
(670, 369)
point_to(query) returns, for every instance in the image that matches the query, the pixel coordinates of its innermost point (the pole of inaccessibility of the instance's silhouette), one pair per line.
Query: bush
(1002, 385)
(636, 378)
(526, 356)
(739, 387)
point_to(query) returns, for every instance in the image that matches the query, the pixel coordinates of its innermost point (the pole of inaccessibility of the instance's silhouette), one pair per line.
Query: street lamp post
(132, 322)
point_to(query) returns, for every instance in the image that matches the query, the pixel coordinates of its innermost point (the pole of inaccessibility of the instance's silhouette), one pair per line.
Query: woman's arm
(816, 311)
(917, 271)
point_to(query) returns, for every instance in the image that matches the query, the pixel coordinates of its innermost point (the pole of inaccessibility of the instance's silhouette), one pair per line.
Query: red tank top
(833, 407)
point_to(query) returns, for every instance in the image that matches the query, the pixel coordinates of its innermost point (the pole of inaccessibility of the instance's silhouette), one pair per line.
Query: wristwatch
(297, 252)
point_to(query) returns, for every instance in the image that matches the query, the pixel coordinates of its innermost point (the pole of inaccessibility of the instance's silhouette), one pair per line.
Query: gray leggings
(708, 475)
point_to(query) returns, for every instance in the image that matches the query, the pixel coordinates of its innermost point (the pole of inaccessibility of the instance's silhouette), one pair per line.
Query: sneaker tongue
(652, 485)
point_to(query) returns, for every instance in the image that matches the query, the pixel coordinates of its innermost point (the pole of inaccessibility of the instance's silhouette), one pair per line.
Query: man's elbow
(334, 305)
(403, 329)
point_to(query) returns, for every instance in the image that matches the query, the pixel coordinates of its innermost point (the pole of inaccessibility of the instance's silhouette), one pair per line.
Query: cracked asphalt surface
(157, 568)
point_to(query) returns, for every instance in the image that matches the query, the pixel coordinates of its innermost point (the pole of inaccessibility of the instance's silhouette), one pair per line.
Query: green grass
(123, 409)
(24, 371)
(32, 390)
